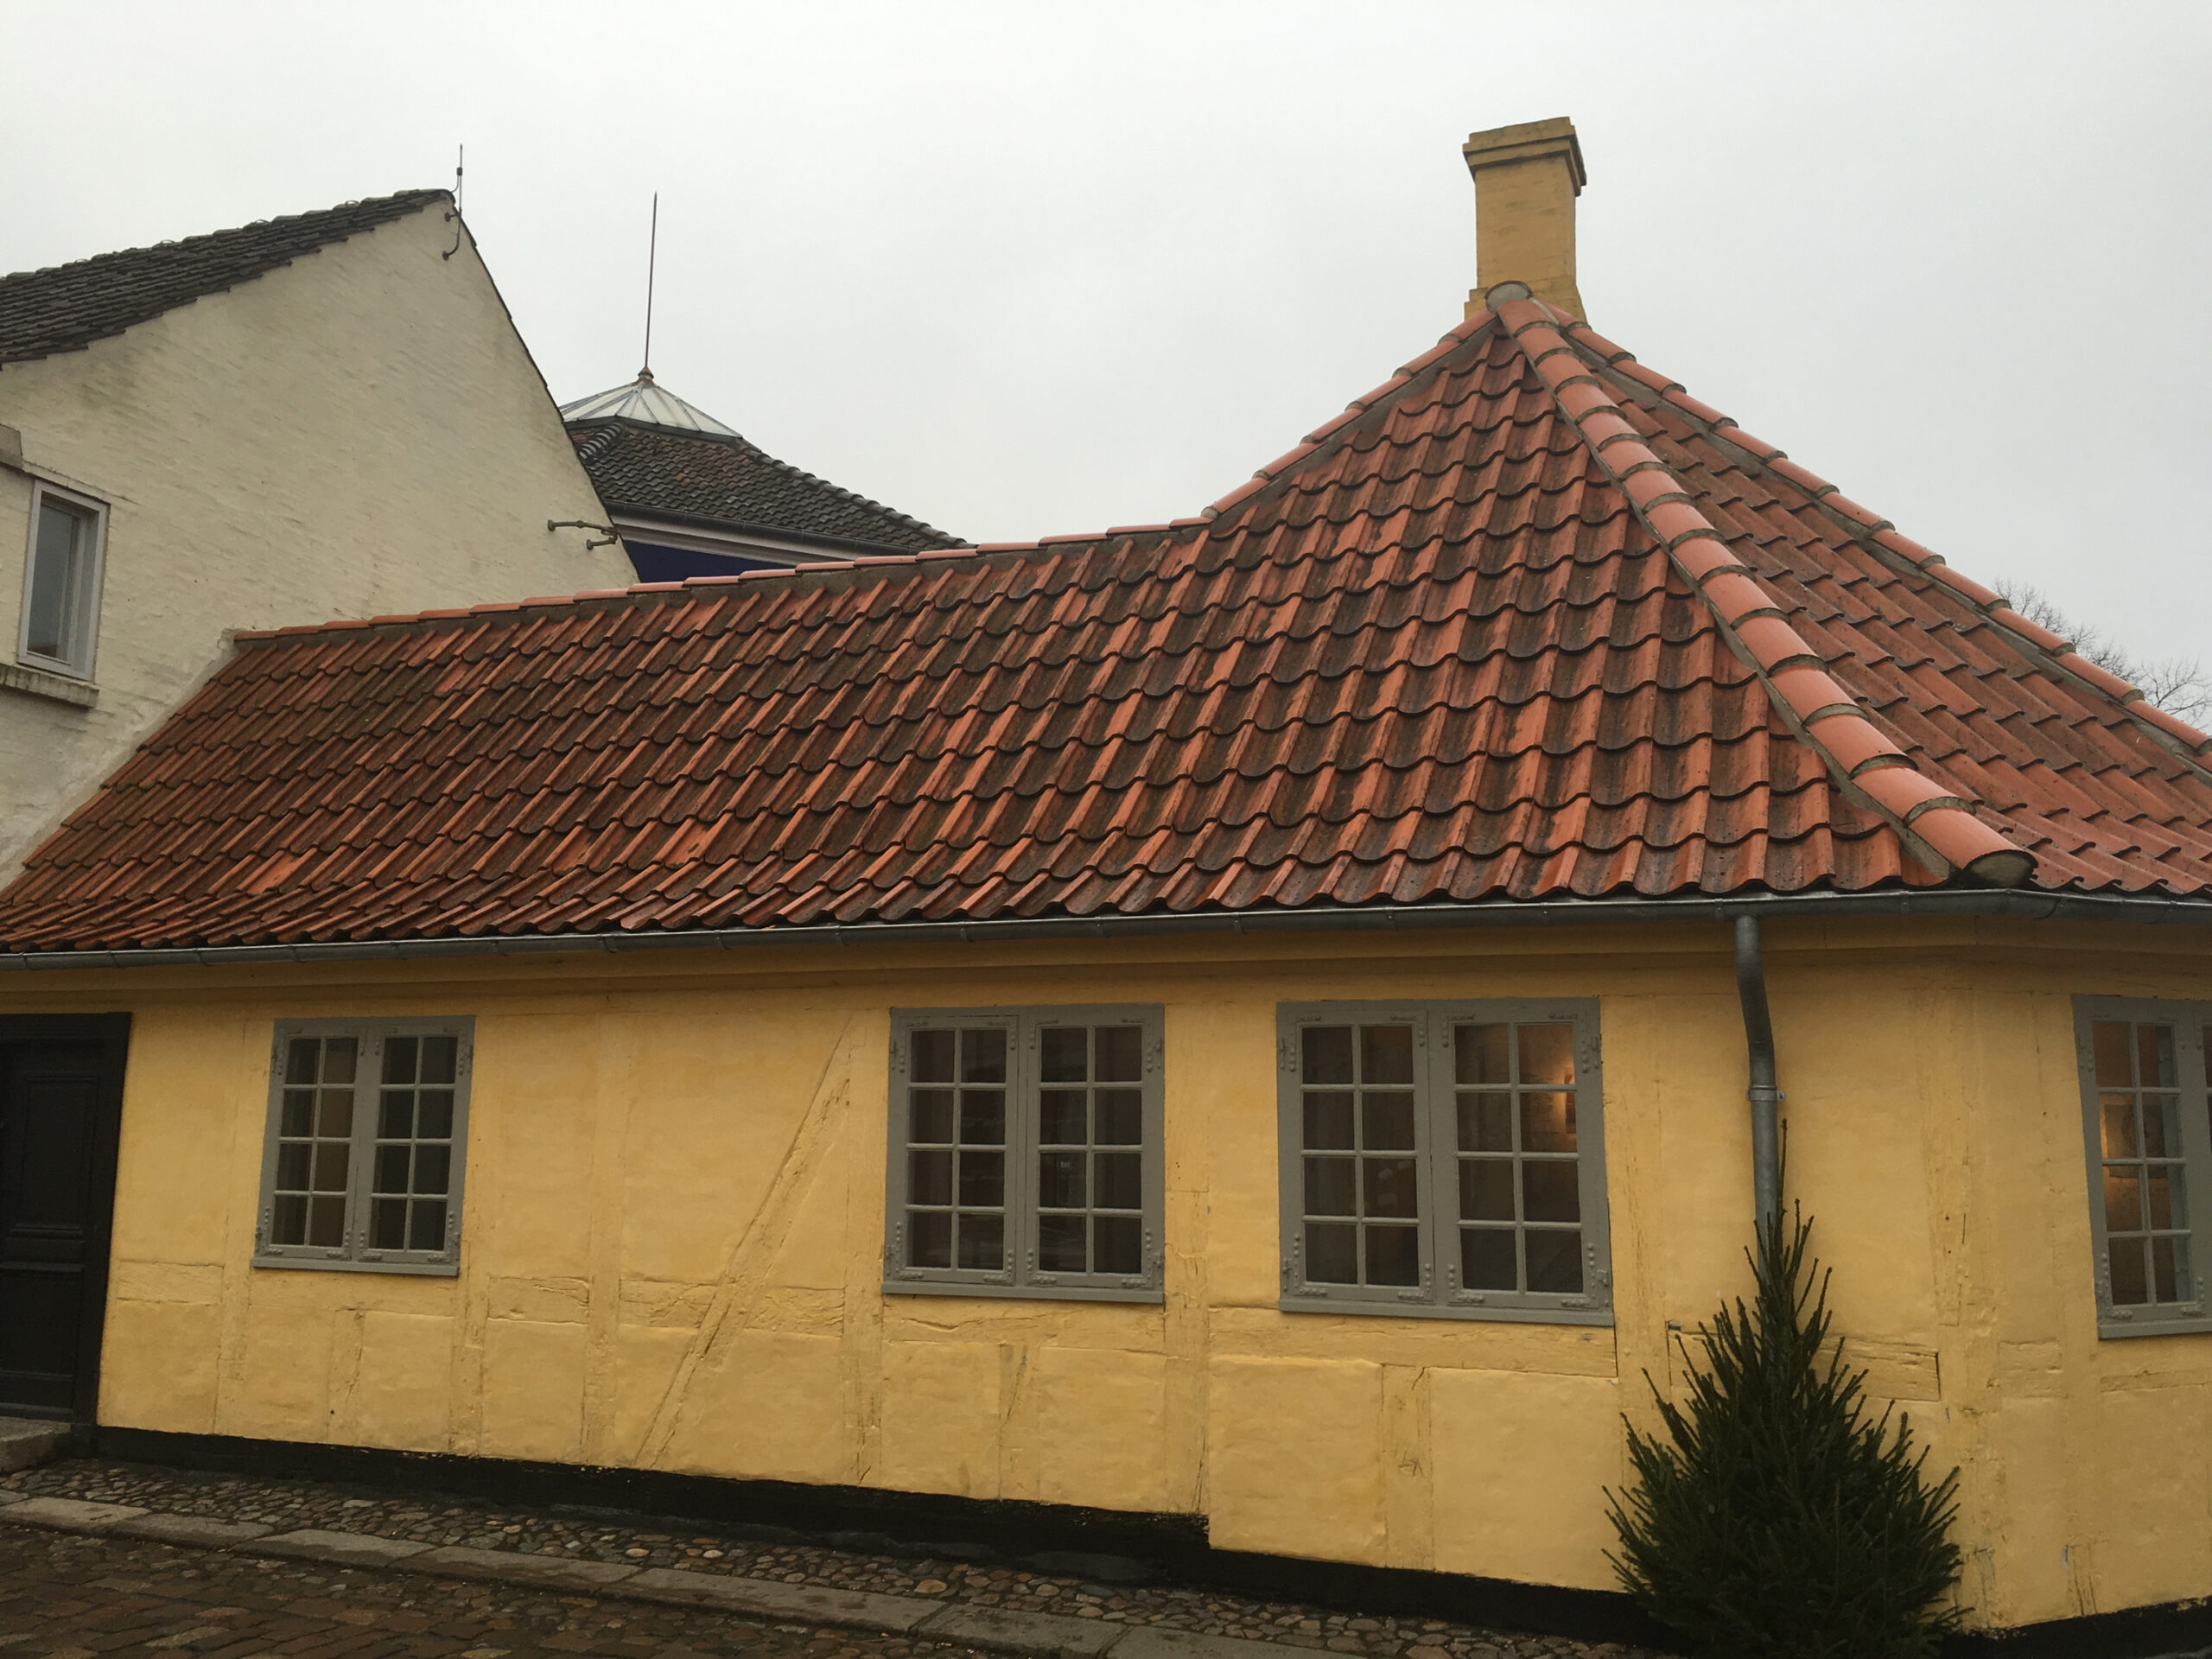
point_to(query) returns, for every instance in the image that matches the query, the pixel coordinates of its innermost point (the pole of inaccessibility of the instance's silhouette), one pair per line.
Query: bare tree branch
(2180, 685)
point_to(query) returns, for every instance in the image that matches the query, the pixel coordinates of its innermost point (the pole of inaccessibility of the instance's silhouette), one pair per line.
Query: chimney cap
(1527, 140)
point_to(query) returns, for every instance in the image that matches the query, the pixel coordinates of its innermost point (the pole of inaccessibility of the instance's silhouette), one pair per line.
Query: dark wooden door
(60, 1095)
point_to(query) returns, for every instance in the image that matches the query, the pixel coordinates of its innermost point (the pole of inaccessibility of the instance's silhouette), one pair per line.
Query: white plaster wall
(359, 432)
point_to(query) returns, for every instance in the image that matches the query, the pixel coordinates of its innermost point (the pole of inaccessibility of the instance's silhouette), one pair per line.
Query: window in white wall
(62, 583)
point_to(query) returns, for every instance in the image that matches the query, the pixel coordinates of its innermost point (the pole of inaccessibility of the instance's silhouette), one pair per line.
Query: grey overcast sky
(1022, 270)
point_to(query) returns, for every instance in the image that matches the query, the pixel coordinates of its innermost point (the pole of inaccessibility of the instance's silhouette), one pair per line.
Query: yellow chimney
(1526, 179)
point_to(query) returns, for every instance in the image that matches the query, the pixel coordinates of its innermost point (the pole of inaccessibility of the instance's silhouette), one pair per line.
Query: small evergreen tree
(1773, 1520)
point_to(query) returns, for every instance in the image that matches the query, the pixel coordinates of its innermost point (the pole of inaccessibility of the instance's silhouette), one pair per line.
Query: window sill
(55, 688)
(309, 1264)
(1497, 1312)
(1023, 1292)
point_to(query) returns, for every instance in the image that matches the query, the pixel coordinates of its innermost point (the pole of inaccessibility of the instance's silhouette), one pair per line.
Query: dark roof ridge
(739, 441)
(1882, 537)
(47, 312)
(1936, 823)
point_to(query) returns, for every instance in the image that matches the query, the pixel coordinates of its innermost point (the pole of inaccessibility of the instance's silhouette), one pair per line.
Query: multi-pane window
(2145, 1095)
(1444, 1158)
(61, 584)
(367, 1123)
(1025, 1152)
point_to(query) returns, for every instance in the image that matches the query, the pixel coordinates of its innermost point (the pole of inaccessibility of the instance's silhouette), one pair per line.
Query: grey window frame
(1019, 1276)
(355, 1255)
(1438, 1296)
(2189, 1021)
(77, 663)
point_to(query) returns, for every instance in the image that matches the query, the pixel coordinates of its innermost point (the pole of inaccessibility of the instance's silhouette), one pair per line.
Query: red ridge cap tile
(1249, 488)
(1388, 388)
(1974, 590)
(1060, 541)
(1286, 460)
(1330, 427)
(2033, 631)
(1704, 411)
(1474, 325)
(1864, 518)
(1194, 521)
(1137, 529)
(2196, 741)
(2103, 679)
(1009, 547)
(1905, 547)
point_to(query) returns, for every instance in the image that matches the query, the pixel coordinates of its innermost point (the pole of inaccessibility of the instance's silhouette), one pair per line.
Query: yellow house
(1233, 1033)
(322, 416)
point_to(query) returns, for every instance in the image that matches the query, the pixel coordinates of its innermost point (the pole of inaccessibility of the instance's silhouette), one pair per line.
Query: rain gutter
(1913, 904)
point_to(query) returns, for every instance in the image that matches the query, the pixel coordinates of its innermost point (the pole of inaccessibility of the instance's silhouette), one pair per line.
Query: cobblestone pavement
(64, 1597)
(974, 1577)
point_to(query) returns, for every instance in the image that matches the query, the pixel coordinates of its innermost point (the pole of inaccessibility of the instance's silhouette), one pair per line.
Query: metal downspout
(1759, 1035)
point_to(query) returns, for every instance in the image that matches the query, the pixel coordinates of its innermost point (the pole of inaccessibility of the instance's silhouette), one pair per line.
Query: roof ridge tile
(1941, 823)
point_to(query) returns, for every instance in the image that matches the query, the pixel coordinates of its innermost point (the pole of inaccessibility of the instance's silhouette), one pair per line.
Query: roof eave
(1900, 903)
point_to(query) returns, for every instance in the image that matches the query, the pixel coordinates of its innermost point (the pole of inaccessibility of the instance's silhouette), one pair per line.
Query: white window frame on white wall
(81, 597)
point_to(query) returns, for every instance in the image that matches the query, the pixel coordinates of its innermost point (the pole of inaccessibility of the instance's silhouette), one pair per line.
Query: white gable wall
(359, 432)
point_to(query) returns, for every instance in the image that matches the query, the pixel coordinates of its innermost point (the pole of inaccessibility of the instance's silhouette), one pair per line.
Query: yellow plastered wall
(361, 432)
(671, 1253)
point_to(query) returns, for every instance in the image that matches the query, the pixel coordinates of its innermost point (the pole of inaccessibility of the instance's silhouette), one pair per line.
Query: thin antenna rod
(652, 254)
(460, 156)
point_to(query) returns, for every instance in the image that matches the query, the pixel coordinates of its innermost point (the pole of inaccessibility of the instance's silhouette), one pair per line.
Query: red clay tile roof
(1526, 622)
(66, 308)
(653, 470)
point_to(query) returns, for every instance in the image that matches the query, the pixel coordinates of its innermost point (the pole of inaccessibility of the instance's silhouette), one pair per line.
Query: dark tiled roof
(65, 307)
(1526, 622)
(654, 469)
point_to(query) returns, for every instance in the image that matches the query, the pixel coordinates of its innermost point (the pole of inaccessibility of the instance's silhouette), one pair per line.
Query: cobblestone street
(65, 1597)
(114, 1588)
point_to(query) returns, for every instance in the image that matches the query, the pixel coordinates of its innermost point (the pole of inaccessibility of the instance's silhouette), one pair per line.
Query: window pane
(2162, 1188)
(1061, 1244)
(387, 1224)
(292, 1167)
(299, 1113)
(290, 1223)
(982, 1117)
(439, 1054)
(1120, 1178)
(1120, 1242)
(399, 1059)
(1120, 1055)
(56, 582)
(330, 1160)
(327, 1222)
(1060, 1183)
(1328, 1121)
(1486, 1123)
(1330, 1189)
(335, 1114)
(2108, 1042)
(1486, 1189)
(1063, 1054)
(1332, 1253)
(341, 1056)
(929, 1239)
(1547, 1054)
(433, 1167)
(930, 1055)
(982, 1178)
(1120, 1117)
(300, 1056)
(2161, 1125)
(2154, 1057)
(1480, 1054)
(2123, 1199)
(1390, 1188)
(391, 1169)
(982, 1241)
(1386, 1053)
(929, 1116)
(2169, 1270)
(396, 1117)
(2117, 1114)
(1388, 1122)
(1393, 1255)
(1327, 1052)
(1062, 1119)
(1547, 1123)
(426, 1226)
(1486, 1259)
(1555, 1262)
(929, 1177)
(1550, 1191)
(2128, 1287)
(982, 1057)
(434, 1117)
